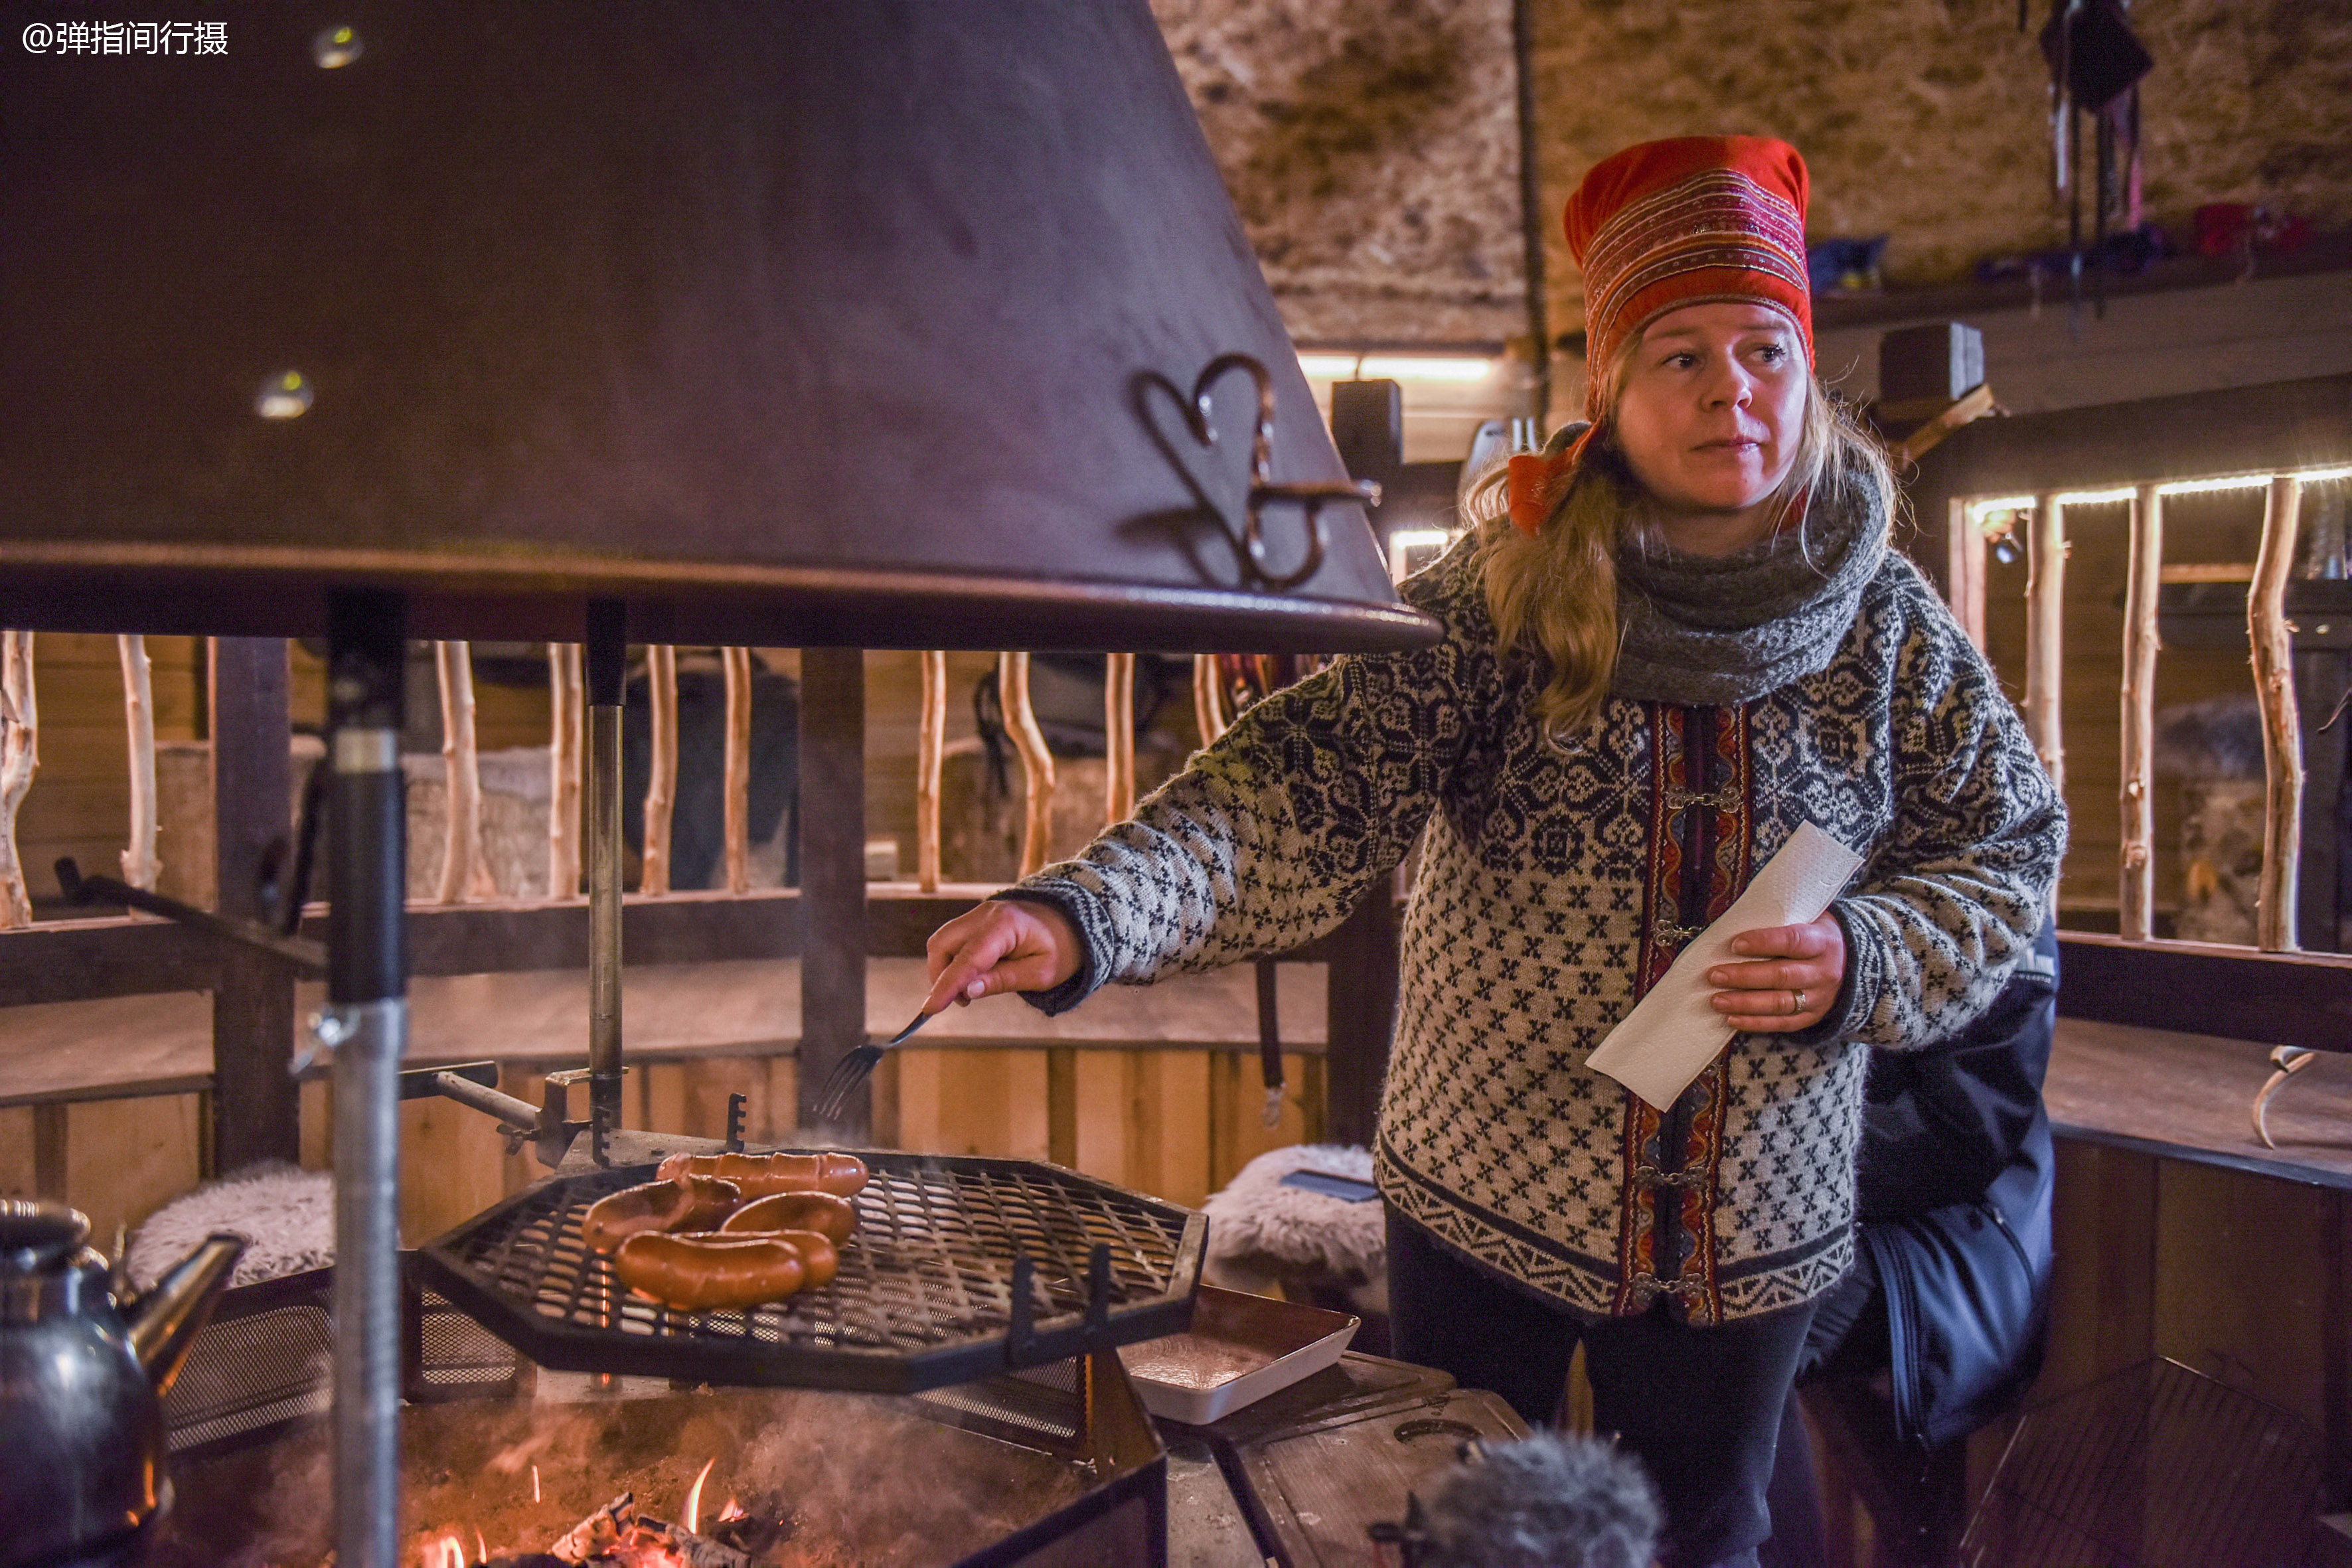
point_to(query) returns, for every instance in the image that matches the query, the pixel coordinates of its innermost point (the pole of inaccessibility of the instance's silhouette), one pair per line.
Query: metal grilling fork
(852, 1070)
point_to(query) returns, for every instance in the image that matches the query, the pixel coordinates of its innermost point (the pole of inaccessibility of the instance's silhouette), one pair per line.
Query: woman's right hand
(1005, 944)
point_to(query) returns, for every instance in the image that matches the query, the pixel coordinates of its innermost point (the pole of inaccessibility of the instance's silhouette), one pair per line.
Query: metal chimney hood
(853, 323)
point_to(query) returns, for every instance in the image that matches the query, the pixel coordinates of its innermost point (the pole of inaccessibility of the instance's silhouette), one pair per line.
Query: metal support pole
(607, 660)
(366, 1025)
(833, 879)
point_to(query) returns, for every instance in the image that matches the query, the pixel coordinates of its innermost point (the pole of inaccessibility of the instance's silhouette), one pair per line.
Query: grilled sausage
(831, 1218)
(760, 1174)
(817, 1255)
(694, 1202)
(708, 1272)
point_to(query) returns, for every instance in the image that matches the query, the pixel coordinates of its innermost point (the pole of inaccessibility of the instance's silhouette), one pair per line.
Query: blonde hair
(1553, 595)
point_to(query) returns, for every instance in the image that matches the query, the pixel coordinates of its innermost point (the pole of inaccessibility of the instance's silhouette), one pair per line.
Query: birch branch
(1208, 699)
(661, 776)
(2135, 891)
(738, 662)
(2046, 628)
(20, 758)
(930, 749)
(464, 867)
(568, 698)
(139, 866)
(2267, 630)
(1118, 737)
(1037, 762)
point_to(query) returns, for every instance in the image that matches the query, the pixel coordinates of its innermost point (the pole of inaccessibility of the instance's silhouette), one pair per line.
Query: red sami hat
(1685, 221)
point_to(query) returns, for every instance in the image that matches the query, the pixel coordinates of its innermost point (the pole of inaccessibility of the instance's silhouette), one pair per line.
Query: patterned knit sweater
(1556, 886)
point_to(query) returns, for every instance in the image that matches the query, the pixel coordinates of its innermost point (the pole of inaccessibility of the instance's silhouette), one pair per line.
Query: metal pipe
(1534, 224)
(520, 1114)
(366, 1024)
(606, 661)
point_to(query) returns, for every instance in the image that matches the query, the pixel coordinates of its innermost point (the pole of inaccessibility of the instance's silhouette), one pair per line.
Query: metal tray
(1240, 1349)
(961, 1268)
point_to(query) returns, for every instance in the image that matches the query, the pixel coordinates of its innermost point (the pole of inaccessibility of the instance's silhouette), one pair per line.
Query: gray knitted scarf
(1715, 630)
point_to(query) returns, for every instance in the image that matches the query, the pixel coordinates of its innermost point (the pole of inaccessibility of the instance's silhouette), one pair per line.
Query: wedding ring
(1800, 1003)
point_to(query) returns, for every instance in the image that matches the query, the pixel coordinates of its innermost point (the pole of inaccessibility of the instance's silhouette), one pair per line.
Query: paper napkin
(1675, 1031)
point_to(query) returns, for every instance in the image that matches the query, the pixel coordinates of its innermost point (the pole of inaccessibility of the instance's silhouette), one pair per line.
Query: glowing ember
(690, 1518)
(734, 1509)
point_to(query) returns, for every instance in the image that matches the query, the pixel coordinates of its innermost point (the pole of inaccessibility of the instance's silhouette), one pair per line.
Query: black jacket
(1955, 1182)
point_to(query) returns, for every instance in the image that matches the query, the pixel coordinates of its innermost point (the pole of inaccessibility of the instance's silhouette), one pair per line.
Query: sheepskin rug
(1261, 1232)
(286, 1216)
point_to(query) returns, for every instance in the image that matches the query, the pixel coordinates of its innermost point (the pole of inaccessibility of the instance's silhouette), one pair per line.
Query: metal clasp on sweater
(1726, 798)
(1650, 1285)
(1651, 1176)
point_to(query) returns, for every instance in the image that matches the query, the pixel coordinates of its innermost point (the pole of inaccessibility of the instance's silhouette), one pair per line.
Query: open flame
(452, 1554)
(691, 1517)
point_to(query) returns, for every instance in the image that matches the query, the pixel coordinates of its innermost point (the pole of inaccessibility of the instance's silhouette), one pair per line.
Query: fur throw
(1256, 1220)
(286, 1217)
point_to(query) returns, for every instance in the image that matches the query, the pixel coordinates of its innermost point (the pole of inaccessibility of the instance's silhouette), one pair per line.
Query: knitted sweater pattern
(1557, 884)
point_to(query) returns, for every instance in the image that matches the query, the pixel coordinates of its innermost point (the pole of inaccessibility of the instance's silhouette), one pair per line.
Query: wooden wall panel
(16, 1152)
(1237, 1132)
(966, 1101)
(2102, 1307)
(453, 1165)
(127, 1158)
(2218, 1227)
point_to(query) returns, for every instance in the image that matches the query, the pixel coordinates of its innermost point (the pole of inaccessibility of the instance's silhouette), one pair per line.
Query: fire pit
(794, 1478)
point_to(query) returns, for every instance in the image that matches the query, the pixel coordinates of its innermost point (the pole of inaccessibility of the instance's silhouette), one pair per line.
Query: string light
(1979, 511)
(1394, 367)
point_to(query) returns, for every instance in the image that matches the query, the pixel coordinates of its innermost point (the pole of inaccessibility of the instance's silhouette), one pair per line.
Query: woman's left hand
(1792, 986)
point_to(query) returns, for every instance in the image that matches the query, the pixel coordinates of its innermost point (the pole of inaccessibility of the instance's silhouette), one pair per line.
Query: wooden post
(568, 700)
(930, 749)
(661, 773)
(1037, 762)
(20, 758)
(1208, 699)
(833, 874)
(738, 664)
(2046, 629)
(2266, 627)
(1118, 737)
(256, 1105)
(1964, 556)
(139, 866)
(464, 867)
(2136, 892)
(1361, 1002)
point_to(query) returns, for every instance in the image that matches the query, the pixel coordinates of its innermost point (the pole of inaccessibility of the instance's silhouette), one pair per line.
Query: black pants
(1915, 1494)
(1699, 1406)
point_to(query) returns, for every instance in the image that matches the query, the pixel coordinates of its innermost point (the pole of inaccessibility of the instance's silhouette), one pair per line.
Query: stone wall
(1372, 149)
(1371, 145)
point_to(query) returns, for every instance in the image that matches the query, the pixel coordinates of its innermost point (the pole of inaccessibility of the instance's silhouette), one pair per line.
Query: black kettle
(83, 1369)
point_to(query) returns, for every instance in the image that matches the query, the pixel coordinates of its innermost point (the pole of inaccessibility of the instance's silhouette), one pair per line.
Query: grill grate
(267, 1361)
(2157, 1466)
(928, 1293)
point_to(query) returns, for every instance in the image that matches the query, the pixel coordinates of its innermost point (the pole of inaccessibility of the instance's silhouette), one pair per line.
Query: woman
(1683, 638)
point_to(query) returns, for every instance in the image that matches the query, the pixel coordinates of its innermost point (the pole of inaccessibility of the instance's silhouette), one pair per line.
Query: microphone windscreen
(1553, 1500)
